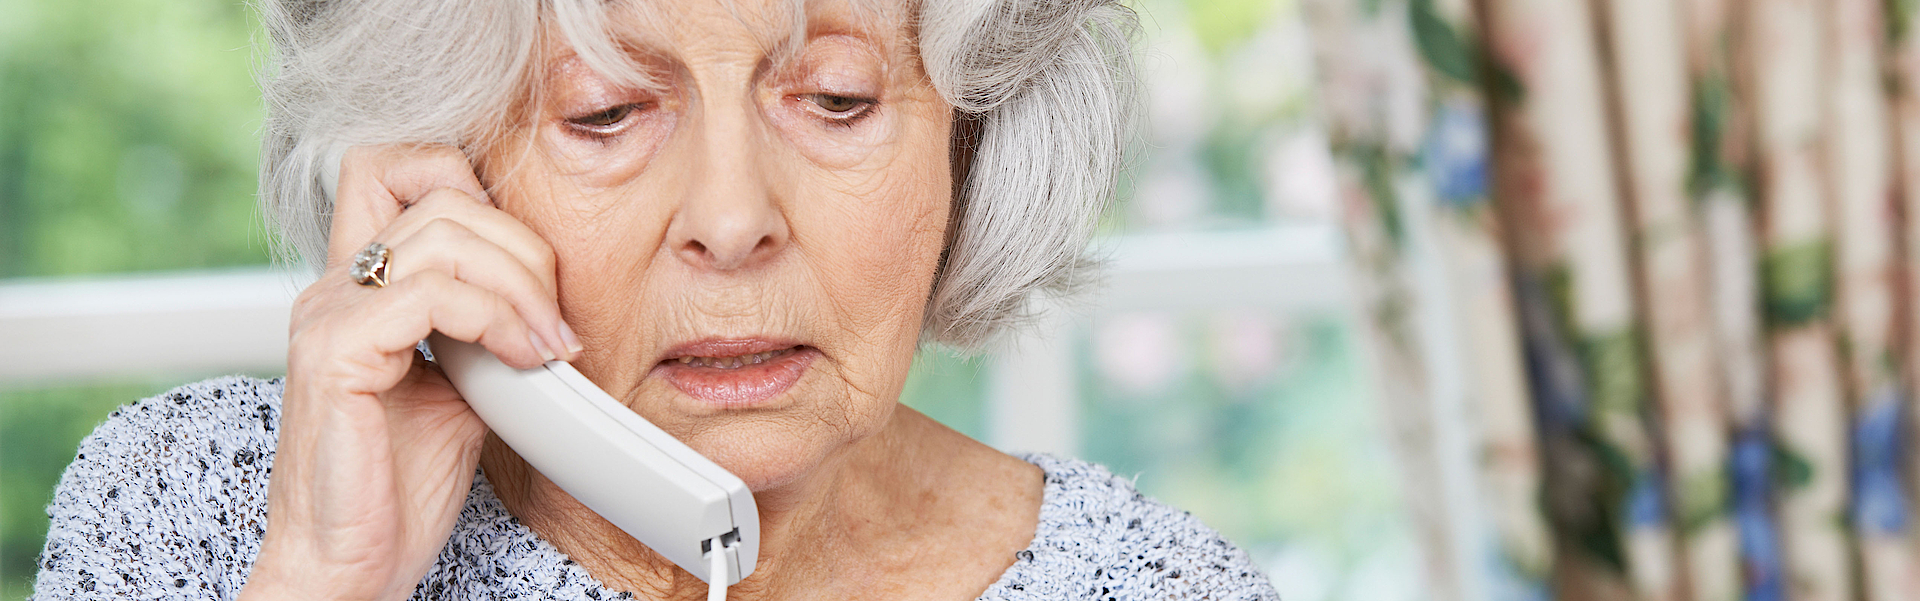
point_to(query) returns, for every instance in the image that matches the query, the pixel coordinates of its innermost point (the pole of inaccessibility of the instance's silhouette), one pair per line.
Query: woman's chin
(769, 455)
(769, 462)
(782, 440)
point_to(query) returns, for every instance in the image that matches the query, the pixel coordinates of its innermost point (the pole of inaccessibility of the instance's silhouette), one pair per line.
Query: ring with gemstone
(370, 266)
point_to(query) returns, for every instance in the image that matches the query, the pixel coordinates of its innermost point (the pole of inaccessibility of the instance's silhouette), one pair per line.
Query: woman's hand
(377, 450)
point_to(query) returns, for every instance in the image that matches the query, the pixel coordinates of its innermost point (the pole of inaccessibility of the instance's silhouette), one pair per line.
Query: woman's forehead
(771, 24)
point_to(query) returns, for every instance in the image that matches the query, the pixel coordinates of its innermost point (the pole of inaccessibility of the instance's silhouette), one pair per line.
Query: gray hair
(1044, 92)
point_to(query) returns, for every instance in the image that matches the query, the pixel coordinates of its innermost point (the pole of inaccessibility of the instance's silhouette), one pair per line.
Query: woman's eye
(840, 108)
(605, 122)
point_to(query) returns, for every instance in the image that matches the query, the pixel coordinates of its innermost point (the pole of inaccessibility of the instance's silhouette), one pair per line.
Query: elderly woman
(740, 219)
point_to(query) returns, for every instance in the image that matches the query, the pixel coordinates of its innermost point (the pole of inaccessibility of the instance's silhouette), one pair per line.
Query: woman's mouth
(735, 373)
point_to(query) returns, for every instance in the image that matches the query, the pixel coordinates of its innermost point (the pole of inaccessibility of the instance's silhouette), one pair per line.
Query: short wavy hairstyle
(1045, 98)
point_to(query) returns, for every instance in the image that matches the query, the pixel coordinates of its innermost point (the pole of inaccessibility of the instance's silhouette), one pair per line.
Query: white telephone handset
(660, 491)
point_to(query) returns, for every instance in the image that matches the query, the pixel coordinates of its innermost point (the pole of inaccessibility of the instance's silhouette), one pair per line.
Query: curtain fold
(1720, 184)
(1860, 201)
(1903, 65)
(1645, 48)
(1786, 54)
(1557, 193)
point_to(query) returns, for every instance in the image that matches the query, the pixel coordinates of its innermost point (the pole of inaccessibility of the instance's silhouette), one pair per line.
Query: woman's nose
(729, 218)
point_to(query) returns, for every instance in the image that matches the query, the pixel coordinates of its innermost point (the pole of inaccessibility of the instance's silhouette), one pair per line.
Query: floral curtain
(1651, 267)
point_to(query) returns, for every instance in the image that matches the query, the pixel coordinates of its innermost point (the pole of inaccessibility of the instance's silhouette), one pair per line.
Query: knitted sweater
(167, 500)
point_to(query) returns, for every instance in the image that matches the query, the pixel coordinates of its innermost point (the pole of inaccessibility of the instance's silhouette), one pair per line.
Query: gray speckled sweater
(168, 499)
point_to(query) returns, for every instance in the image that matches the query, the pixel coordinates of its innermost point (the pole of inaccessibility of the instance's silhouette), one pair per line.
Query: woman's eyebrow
(563, 74)
(853, 18)
(782, 35)
(811, 19)
(828, 18)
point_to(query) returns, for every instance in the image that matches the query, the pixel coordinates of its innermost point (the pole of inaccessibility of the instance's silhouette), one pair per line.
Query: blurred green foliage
(128, 136)
(1220, 25)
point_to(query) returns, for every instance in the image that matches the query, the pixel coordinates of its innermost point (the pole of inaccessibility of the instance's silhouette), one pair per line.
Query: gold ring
(370, 265)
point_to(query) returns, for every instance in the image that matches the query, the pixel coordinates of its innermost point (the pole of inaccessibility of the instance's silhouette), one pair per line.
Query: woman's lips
(735, 373)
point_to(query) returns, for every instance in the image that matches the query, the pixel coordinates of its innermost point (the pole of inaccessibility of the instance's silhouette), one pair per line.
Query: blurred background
(1413, 299)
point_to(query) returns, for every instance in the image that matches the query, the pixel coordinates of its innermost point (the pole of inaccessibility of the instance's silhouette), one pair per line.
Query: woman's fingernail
(541, 346)
(572, 341)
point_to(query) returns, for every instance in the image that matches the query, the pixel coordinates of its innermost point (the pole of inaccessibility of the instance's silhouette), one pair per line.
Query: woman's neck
(842, 529)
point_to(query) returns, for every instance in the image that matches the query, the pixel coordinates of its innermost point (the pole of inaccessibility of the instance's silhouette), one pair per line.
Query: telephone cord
(717, 572)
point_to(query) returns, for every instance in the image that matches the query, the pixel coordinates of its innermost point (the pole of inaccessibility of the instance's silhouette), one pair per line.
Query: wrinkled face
(747, 247)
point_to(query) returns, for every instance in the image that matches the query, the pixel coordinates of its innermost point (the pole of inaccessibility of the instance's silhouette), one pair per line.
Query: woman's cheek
(886, 251)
